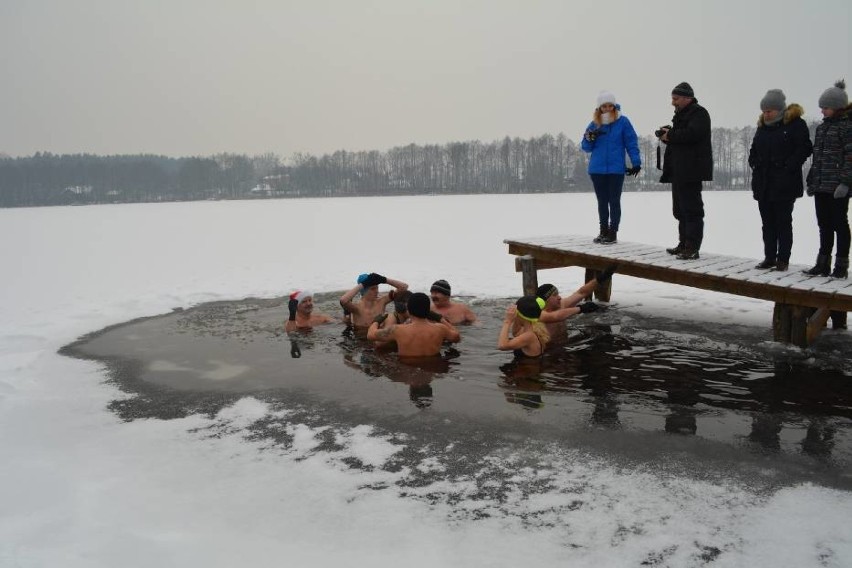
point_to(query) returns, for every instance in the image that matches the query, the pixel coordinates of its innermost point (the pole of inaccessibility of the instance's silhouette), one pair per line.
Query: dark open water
(710, 401)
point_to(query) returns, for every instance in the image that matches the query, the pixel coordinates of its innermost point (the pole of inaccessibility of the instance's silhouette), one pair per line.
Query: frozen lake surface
(668, 430)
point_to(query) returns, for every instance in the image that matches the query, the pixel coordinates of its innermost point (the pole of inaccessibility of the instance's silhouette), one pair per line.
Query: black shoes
(683, 251)
(767, 263)
(822, 266)
(688, 253)
(841, 267)
(610, 238)
(607, 237)
(781, 266)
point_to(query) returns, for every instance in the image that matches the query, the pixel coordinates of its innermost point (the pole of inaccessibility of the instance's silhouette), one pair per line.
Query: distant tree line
(513, 165)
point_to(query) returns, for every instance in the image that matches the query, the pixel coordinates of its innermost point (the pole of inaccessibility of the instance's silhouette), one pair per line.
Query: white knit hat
(606, 97)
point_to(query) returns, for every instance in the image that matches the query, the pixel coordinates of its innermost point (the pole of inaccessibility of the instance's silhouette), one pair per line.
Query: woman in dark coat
(779, 150)
(829, 179)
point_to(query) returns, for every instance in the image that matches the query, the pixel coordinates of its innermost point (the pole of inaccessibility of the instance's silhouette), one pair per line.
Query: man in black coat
(687, 162)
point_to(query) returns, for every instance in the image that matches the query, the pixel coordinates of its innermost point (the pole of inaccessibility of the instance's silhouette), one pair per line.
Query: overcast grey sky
(197, 77)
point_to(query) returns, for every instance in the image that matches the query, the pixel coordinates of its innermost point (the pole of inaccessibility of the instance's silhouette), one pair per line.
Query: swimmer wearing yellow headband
(529, 336)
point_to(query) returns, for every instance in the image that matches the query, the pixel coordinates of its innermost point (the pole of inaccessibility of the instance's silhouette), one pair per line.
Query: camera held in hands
(662, 131)
(591, 135)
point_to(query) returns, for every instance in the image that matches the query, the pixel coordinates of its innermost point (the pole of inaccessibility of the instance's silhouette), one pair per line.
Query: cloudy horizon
(192, 78)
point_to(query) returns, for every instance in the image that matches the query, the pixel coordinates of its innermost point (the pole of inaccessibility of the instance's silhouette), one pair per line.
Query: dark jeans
(608, 191)
(688, 209)
(832, 217)
(777, 218)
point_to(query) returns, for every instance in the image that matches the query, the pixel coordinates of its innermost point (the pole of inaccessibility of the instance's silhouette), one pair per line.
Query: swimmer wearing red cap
(302, 315)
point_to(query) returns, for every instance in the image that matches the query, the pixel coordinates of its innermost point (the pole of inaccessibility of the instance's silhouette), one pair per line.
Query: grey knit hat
(774, 99)
(834, 97)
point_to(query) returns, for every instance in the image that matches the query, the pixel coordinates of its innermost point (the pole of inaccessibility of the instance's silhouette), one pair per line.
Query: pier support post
(530, 275)
(798, 325)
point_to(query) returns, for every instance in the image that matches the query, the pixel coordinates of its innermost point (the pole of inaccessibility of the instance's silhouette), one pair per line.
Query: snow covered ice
(81, 487)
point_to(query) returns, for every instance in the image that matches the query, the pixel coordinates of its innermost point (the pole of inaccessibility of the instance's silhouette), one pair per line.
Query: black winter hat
(683, 90)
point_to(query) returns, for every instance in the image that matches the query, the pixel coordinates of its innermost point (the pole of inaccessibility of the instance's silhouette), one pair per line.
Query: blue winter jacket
(609, 147)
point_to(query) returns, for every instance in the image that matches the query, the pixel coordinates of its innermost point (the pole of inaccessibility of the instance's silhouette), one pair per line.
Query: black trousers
(688, 209)
(832, 217)
(777, 218)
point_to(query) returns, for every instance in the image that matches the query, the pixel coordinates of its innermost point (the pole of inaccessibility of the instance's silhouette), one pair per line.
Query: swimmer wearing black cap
(529, 336)
(557, 309)
(455, 312)
(302, 314)
(421, 336)
(371, 304)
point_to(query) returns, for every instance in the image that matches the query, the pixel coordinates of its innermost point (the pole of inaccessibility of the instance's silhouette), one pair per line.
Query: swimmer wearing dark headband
(529, 335)
(557, 309)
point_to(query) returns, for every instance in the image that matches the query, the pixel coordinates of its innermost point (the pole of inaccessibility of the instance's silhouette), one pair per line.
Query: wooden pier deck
(803, 304)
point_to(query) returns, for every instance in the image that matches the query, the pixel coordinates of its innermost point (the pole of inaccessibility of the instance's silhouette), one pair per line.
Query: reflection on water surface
(615, 382)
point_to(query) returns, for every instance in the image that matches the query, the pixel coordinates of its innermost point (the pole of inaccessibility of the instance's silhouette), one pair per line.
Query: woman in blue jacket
(609, 137)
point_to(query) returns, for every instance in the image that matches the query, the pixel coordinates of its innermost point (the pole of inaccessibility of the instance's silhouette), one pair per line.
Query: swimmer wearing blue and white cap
(371, 304)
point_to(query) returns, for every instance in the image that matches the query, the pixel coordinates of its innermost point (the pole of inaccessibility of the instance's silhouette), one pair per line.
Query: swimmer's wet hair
(419, 304)
(400, 301)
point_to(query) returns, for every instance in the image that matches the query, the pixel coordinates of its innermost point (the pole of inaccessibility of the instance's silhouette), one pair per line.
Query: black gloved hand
(588, 307)
(634, 171)
(374, 279)
(434, 316)
(292, 305)
(606, 273)
(379, 319)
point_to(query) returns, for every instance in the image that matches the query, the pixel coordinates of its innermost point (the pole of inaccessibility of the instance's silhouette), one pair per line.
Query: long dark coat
(778, 152)
(689, 153)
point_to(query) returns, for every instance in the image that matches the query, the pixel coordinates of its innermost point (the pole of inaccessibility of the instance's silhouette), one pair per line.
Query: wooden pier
(803, 304)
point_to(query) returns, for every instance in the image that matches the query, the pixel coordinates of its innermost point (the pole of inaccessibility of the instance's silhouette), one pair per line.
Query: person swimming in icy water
(529, 335)
(302, 314)
(420, 336)
(371, 304)
(557, 309)
(455, 312)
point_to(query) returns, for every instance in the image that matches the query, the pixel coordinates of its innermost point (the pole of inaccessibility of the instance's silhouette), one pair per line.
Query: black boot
(688, 252)
(675, 249)
(767, 263)
(610, 238)
(822, 266)
(602, 235)
(841, 267)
